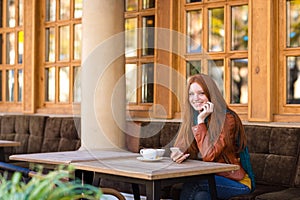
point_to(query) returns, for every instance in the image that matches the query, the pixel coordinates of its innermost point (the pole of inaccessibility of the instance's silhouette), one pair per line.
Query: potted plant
(56, 185)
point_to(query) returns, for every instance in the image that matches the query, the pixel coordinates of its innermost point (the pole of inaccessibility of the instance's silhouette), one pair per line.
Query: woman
(212, 132)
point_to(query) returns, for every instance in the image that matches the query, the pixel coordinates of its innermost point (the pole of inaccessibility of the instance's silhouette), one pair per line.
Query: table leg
(153, 190)
(136, 191)
(212, 186)
(2, 156)
(85, 176)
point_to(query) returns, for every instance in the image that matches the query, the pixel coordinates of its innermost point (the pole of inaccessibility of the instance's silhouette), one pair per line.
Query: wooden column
(262, 26)
(103, 85)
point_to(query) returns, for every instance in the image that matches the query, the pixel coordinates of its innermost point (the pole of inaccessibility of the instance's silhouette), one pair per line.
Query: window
(217, 44)
(11, 53)
(290, 54)
(140, 21)
(62, 53)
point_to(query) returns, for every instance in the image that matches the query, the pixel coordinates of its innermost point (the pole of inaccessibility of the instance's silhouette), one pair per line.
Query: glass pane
(1, 99)
(10, 48)
(194, 31)
(148, 35)
(64, 84)
(78, 9)
(50, 10)
(148, 4)
(192, 1)
(50, 45)
(20, 85)
(293, 80)
(20, 46)
(64, 43)
(131, 37)
(147, 82)
(216, 30)
(77, 41)
(293, 23)
(1, 46)
(64, 11)
(216, 71)
(131, 83)
(77, 84)
(1, 14)
(21, 12)
(131, 5)
(50, 84)
(10, 80)
(11, 13)
(239, 81)
(193, 67)
(239, 27)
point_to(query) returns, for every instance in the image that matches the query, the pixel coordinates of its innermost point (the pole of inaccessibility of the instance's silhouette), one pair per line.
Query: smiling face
(197, 97)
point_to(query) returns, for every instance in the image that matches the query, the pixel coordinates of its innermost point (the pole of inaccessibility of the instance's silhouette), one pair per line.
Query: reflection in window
(147, 82)
(78, 9)
(293, 23)
(21, 12)
(148, 4)
(10, 81)
(20, 46)
(50, 45)
(293, 80)
(131, 37)
(216, 71)
(64, 84)
(194, 31)
(239, 27)
(77, 41)
(77, 84)
(20, 85)
(193, 67)
(148, 35)
(131, 83)
(10, 48)
(11, 13)
(64, 9)
(192, 1)
(1, 42)
(64, 43)
(50, 84)
(131, 5)
(239, 81)
(1, 99)
(216, 30)
(50, 10)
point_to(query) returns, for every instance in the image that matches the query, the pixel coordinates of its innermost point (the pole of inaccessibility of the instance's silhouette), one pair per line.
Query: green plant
(56, 185)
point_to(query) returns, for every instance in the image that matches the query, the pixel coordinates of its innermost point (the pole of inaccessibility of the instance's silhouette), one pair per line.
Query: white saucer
(149, 160)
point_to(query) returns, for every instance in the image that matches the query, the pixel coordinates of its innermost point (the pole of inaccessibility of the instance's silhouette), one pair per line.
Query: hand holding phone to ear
(206, 110)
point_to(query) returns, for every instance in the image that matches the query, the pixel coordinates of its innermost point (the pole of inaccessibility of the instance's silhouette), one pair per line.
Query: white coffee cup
(149, 154)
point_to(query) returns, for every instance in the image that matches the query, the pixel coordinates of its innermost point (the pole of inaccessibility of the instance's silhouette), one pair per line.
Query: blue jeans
(226, 188)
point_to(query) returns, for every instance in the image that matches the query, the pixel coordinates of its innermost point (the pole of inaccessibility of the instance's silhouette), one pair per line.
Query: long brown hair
(185, 139)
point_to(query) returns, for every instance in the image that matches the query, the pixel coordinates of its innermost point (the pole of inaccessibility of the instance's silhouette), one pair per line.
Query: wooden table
(67, 157)
(124, 166)
(155, 175)
(7, 143)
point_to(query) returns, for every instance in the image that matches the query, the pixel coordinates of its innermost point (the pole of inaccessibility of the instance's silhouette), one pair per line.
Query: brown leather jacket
(219, 151)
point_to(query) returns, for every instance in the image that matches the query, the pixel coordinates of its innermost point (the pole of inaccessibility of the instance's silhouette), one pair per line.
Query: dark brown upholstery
(39, 133)
(275, 159)
(274, 155)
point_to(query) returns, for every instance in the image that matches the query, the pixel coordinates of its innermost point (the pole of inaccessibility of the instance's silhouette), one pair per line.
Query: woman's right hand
(178, 156)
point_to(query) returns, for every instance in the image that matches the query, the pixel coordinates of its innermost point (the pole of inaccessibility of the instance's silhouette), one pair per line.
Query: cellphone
(175, 150)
